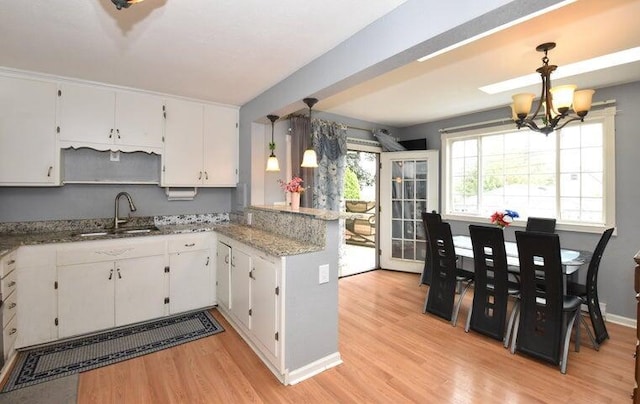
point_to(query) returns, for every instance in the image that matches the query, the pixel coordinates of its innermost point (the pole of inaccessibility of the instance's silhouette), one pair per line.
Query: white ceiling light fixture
(556, 101)
(310, 159)
(272, 162)
(120, 4)
(573, 69)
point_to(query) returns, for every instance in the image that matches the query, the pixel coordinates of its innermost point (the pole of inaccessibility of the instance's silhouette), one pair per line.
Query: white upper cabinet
(107, 119)
(220, 146)
(201, 145)
(29, 153)
(182, 157)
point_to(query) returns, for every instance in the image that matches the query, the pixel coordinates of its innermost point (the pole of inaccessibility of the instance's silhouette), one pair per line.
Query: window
(568, 174)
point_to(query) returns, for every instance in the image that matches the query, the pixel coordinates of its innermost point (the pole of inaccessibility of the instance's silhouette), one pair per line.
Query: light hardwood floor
(392, 354)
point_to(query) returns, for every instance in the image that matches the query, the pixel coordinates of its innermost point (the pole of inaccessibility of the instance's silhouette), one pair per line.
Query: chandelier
(120, 4)
(555, 102)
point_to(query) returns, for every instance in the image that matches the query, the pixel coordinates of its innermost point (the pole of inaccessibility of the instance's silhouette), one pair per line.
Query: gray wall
(412, 30)
(615, 285)
(76, 201)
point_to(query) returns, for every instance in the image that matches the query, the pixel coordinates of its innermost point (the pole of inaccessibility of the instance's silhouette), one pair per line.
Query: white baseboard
(313, 368)
(626, 321)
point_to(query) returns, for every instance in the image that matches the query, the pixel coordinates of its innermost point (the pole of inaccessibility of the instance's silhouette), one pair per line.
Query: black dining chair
(491, 288)
(446, 275)
(546, 317)
(542, 224)
(428, 218)
(589, 293)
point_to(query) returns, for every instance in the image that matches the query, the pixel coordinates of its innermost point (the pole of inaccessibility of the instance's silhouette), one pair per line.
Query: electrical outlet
(323, 274)
(114, 156)
(249, 218)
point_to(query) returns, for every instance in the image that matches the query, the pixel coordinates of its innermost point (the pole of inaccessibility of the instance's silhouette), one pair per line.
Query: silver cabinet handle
(111, 133)
(190, 245)
(13, 331)
(118, 133)
(200, 175)
(226, 259)
(11, 284)
(12, 305)
(206, 175)
(111, 274)
(49, 171)
(207, 264)
(11, 262)
(119, 276)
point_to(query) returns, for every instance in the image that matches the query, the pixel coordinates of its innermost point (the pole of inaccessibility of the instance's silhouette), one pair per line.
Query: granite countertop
(72, 231)
(320, 214)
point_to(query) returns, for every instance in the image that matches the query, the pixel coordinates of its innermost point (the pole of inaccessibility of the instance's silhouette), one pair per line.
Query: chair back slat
(427, 219)
(541, 327)
(541, 224)
(443, 279)
(599, 327)
(490, 296)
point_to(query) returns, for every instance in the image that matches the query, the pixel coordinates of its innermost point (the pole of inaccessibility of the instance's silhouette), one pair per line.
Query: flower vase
(295, 200)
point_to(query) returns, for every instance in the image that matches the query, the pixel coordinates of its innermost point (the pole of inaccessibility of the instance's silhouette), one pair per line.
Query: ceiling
(231, 51)
(447, 85)
(226, 51)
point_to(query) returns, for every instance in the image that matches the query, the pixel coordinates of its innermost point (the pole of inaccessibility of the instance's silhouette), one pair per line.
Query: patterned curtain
(330, 144)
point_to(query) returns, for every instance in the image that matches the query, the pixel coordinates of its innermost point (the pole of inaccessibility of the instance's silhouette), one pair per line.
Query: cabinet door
(139, 120)
(223, 267)
(37, 303)
(139, 289)
(86, 116)
(28, 148)
(189, 280)
(220, 146)
(241, 286)
(264, 304)
(85, 298)
(182, 158)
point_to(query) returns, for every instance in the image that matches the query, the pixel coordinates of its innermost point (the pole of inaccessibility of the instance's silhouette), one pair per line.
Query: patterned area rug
(69, 357)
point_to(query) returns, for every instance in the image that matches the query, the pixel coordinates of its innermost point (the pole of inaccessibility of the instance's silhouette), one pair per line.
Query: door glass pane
(396, 248)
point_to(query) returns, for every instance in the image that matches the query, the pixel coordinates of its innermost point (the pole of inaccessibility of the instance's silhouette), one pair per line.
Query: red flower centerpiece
(504, 218)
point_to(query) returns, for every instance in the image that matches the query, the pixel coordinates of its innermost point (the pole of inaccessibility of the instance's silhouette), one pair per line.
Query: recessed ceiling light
(572, 69)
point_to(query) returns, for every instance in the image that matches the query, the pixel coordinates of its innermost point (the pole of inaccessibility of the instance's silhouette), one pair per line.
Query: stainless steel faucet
(132, 208)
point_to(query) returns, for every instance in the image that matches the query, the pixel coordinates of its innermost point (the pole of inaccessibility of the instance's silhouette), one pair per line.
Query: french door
(408, 186)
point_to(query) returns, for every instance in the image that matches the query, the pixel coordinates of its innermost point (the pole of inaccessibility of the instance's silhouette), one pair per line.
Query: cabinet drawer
(8, 264)
(193, 242)
(80, 253)
(10, 332)
(9, 309)
(9, 284)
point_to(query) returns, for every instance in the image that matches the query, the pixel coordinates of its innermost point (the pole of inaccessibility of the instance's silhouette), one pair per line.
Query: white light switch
(323, 274)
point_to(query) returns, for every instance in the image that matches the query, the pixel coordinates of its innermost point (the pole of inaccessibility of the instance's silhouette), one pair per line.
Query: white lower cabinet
(38, 298)
(104, 284)
(191, 275)
(254, 297)
(223, 275)
(264, 304)
(241, 286)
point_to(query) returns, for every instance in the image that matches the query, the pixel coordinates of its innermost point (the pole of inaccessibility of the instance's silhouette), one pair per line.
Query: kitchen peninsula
(274, 278)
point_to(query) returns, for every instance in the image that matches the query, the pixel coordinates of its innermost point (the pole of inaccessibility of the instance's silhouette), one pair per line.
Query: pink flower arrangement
(295, 185)
(504, 219)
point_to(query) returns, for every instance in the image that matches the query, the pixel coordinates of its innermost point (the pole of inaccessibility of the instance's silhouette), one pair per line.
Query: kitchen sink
(120, 230)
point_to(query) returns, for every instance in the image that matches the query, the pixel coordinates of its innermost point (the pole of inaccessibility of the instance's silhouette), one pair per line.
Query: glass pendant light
(272, 162)
(309, 159)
